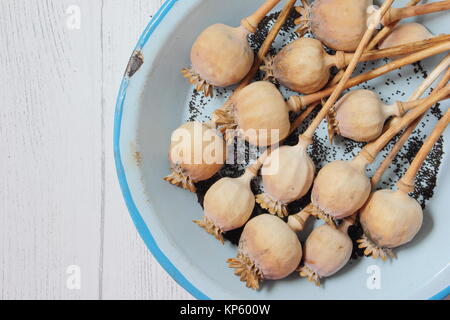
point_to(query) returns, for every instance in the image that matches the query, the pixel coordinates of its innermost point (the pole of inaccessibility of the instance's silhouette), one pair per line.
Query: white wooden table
(62, 217)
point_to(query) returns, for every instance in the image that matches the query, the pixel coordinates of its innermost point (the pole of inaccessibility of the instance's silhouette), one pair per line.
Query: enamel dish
(154, 100)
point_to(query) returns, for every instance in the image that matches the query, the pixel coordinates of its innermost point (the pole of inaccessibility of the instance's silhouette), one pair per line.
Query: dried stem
(266, 45)
(409, 105)
(347, 223)
(298, 221)
(387, 29)
(251, 22)
(406, 184)
(404, 48)
(395, 14)
(347, 74)
(371, 150)
(444, 64)
(254, 168)
(302, 101)
(305, 114)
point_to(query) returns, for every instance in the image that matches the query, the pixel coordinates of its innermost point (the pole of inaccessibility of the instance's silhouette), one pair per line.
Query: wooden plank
(129, 270)
(50, 145)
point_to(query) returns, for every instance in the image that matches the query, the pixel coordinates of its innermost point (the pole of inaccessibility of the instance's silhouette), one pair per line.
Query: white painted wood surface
(60, 203)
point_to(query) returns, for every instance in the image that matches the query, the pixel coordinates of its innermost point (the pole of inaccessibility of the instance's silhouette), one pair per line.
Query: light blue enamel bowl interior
(152, 104)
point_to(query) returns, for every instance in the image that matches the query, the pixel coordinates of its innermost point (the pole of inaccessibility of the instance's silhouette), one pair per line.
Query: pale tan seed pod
(303, 66)
(268, 250)
(260, 114)
(361, 115)
(197, 152)
(229, 203)
(221, 55)
(288, 174)
(341, 188)
(405, 33)
(389, 219)
(326, 251)
(339, 24)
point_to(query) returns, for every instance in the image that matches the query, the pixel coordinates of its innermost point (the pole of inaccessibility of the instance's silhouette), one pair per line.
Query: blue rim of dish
(141, 226)
(134, 212)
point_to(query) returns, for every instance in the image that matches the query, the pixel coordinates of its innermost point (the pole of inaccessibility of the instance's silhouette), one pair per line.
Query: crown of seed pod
(259, 112)
(221, 56)
(197, 152)
(341, 24)
(268, 250)
(326, 251)
(361, 115)
(288, 174)
(229, 203)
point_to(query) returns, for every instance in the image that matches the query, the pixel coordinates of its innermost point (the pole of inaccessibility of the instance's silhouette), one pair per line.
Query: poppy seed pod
(229, 203)
(361, 115)
(197, 152)
(389, 219)
(268, 250)
(302, 66)
(327, 250)
(221, 55)
(341, 188)
(260, 114)
(339, 24)
(288, 174)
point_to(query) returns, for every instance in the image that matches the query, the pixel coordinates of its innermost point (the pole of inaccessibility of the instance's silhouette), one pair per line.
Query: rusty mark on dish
(138, 158)
(135, 63)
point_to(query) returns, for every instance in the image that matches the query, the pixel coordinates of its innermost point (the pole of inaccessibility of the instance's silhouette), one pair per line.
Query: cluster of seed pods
(341, 188)
(391, 218)
(191, 141)
(221, 56)
(328, 249)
